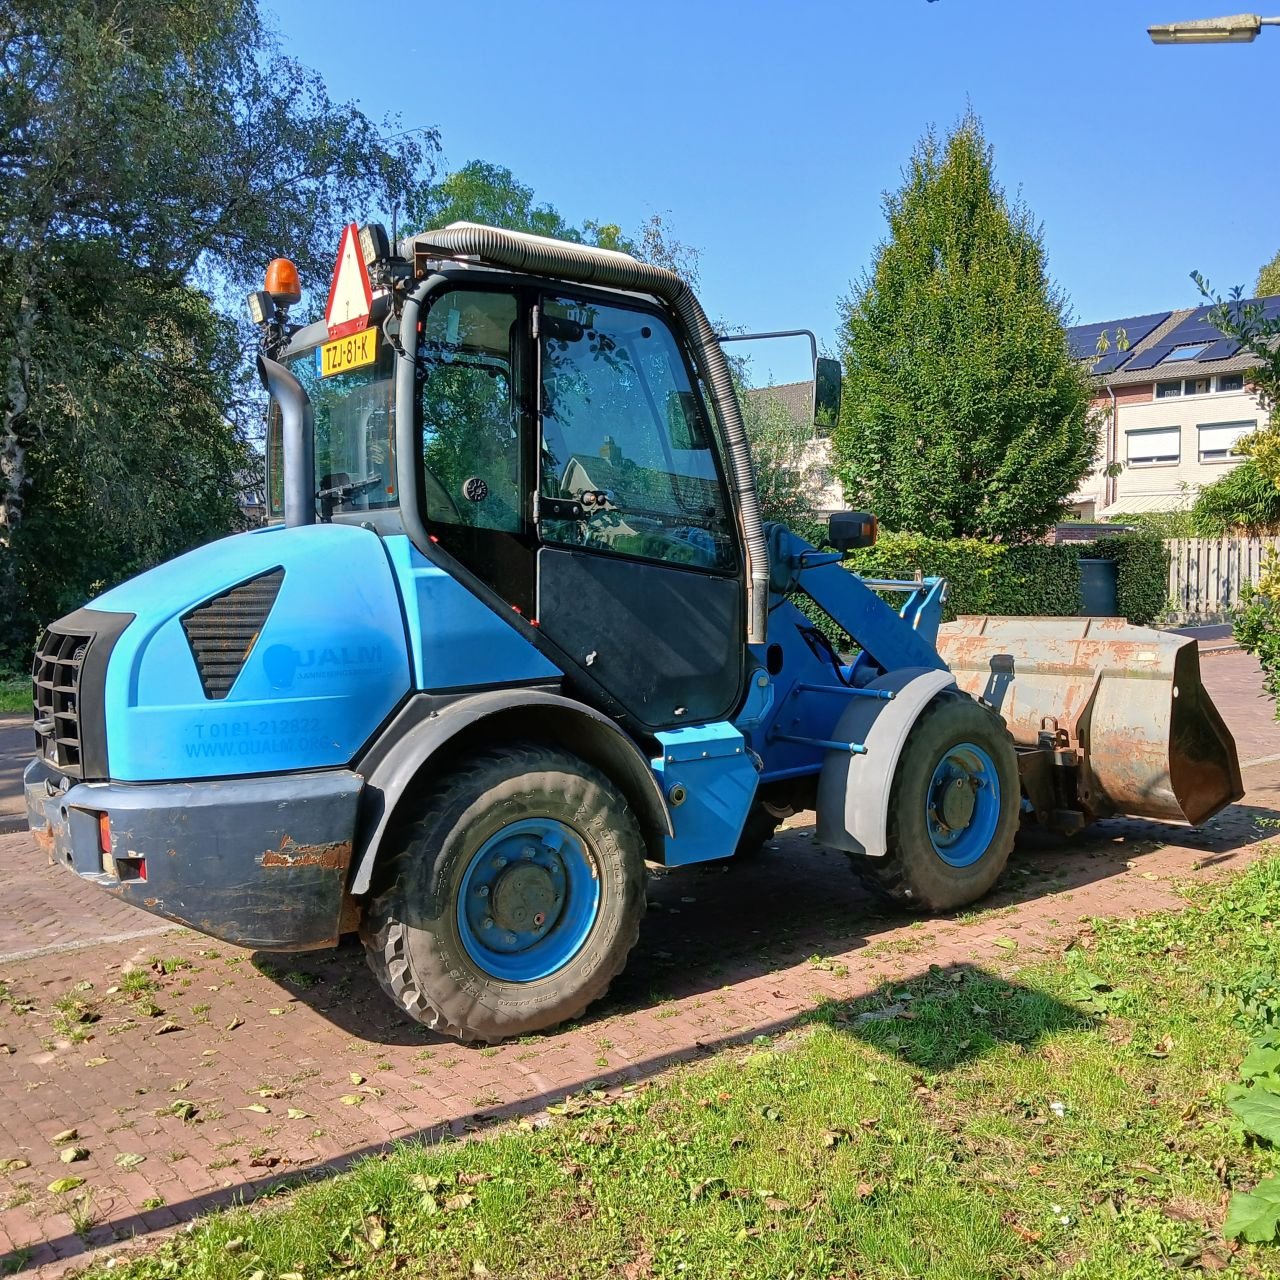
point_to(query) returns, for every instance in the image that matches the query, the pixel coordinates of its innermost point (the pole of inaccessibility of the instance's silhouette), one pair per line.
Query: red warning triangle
(350, 297)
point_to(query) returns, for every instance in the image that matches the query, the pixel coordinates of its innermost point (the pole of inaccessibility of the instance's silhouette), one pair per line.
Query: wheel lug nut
(499, 862)
(511, 937)
(483, 890)
(528, 851)
(488, 923)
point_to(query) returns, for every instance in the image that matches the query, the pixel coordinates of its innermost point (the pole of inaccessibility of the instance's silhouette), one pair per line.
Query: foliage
(1242, 500)
(1142, 573)
(983, 577)
(1256, 624)
(145, 150)
(964, 412)
(493, 195)
(785, 462)
(1165, 524)
(1268, 282)
(973, 1120)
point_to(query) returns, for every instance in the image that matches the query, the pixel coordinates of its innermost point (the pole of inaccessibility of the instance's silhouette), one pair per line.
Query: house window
(1217, 442)
(1188, 351)
(1198, 386)
(1158, 446)
(1166, 390)
(1231, 382)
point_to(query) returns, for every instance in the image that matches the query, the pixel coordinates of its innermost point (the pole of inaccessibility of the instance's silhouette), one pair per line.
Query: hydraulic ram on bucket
(1108, 718)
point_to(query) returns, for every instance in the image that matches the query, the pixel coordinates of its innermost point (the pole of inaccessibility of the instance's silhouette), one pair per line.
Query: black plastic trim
(105, 628)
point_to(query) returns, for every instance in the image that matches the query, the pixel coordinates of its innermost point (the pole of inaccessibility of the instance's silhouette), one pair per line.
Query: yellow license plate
(349, 353)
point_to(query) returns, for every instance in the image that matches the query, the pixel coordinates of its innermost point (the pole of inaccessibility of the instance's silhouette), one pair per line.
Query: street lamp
(1239, 28)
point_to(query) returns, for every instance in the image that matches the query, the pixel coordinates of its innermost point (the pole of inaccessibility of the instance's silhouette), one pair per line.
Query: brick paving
(726, 954)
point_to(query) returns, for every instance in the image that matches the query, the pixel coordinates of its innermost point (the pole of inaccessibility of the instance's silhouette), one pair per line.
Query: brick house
(1173, 404)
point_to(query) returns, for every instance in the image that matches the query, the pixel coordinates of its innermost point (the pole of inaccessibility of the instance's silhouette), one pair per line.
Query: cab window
(628, 465)
(470, 425)
(355, 443)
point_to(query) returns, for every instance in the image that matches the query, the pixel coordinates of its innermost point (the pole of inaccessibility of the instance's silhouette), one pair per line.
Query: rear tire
(513, 901)
(954, 810)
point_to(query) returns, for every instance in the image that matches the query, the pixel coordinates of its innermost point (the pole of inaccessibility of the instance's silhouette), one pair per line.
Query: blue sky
(768, 131)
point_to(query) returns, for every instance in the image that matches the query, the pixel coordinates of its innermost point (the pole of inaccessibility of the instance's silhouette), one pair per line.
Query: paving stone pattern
(725, 954)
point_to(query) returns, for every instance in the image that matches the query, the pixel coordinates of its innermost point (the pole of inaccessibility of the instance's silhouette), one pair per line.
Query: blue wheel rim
(962, 805)
(528, 901)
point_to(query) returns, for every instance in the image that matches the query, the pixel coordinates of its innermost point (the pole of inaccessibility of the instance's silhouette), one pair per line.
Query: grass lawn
(1060, 1119)
(15, 695)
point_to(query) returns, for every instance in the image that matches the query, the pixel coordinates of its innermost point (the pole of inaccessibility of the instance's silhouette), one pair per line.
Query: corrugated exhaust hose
(588, 265)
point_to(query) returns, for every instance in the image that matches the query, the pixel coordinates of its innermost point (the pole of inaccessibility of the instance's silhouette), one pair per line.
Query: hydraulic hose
(586, 264)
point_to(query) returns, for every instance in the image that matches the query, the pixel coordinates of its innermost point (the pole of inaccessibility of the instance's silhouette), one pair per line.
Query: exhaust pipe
(298, 434)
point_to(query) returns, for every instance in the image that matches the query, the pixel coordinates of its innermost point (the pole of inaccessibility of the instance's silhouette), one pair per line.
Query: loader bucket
(1108, 718)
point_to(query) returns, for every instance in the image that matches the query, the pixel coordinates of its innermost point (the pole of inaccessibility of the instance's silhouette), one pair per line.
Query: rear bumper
(259, 862)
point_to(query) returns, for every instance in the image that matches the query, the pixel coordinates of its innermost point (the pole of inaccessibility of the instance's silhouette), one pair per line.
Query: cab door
(639, 563)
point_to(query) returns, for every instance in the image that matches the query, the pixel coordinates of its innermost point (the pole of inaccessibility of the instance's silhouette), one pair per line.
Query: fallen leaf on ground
(67, 1135)
(61, 1185)
(69, 1155)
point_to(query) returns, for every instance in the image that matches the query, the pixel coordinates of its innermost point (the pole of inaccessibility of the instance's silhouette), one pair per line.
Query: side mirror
(826, 392)
(850, 530)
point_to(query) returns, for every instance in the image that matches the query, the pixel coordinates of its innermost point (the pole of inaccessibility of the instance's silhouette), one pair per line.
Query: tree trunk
(14, 436)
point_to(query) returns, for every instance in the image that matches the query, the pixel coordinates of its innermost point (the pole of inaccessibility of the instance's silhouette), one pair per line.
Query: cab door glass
(470, 424)
(355, 432)
(627, 463)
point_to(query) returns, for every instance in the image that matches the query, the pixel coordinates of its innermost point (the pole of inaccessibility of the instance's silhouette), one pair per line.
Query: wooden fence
(1205, 574)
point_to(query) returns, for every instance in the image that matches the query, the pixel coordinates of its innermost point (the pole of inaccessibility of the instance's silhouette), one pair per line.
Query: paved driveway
(727, 952)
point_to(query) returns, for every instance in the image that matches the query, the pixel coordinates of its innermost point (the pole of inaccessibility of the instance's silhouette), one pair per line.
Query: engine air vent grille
(55, 681)
(223, 631)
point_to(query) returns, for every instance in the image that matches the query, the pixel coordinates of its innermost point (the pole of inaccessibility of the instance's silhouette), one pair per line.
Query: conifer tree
(964, 412)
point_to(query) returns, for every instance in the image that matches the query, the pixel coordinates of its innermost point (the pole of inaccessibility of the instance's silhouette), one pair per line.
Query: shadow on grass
(950, 1015)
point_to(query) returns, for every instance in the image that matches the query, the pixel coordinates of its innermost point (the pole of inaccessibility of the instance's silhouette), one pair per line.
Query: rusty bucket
(1108, 718)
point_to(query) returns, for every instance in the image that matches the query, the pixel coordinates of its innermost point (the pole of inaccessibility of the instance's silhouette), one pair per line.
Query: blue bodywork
(709, 780)
(325, 671)
(362, 622)
(455, 640)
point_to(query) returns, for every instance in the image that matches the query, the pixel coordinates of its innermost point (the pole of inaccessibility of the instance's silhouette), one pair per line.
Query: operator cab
(558, 455)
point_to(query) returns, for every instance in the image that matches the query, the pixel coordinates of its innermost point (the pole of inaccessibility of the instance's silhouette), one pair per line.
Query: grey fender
(854, 791)
(501, 715)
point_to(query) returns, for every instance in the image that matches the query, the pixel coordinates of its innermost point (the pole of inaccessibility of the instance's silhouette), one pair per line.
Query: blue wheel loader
(515, 629)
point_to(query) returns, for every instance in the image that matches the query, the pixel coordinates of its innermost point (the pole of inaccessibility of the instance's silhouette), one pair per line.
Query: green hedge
(1142, 573)
(983, 577)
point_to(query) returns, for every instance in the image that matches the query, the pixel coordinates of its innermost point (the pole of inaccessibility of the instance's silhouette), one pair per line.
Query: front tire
(513, 901)
(953, 809)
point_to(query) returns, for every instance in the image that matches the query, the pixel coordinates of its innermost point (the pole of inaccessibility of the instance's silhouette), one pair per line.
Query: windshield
(354, 431)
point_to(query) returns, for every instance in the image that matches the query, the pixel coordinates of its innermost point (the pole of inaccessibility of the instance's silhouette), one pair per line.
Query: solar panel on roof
(1196, 328)
(1084, 338)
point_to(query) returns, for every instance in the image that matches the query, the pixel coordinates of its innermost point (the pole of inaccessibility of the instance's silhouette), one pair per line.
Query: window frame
(517, 373)
(1173, 389)
(1219, 389)
(569, 292)
(1230, 455)
(1158, 460)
